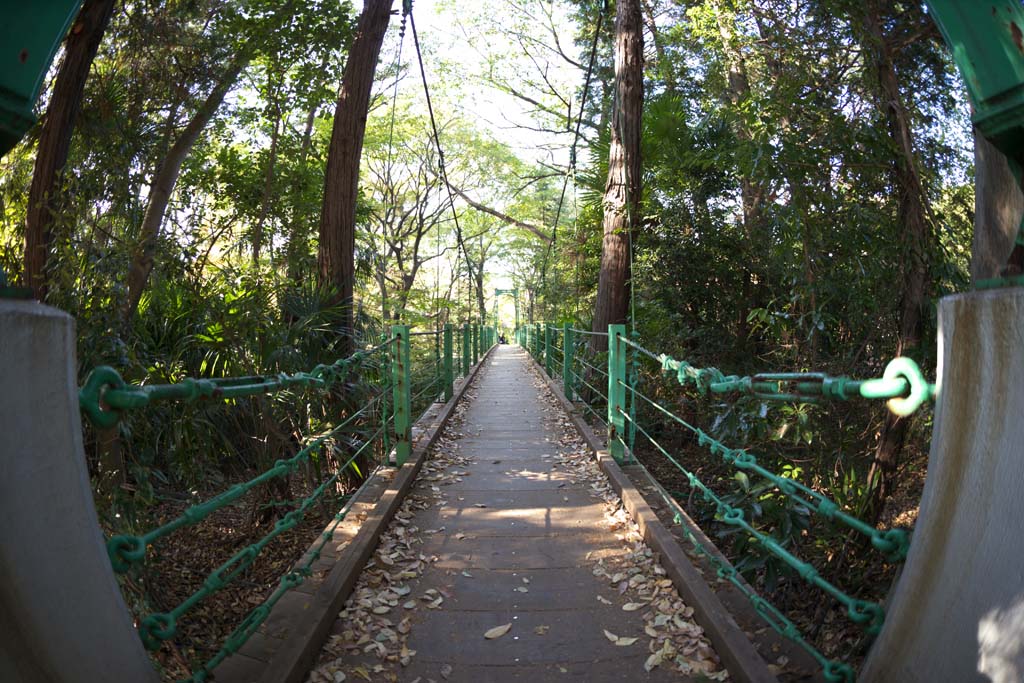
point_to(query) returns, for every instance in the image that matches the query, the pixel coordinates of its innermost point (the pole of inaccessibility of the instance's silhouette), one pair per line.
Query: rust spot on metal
(23, 56)
(1018, 37)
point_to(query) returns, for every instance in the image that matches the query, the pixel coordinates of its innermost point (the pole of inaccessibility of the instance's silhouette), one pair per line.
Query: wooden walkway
(512, 560)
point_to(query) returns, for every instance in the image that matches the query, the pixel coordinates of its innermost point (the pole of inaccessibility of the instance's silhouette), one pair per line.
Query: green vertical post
(616, 391)
(476, 344)
(403, 407)
(568, 350)
(466, 349)
(449, 376)
(547, 349)
(536, 341)
(384, 414)
(438, 363)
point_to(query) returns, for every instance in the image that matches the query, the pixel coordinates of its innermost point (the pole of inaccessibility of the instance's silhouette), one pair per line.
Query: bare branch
(504, 217)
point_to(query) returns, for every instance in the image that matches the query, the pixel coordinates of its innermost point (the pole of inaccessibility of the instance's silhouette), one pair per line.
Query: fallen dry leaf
(497, 631)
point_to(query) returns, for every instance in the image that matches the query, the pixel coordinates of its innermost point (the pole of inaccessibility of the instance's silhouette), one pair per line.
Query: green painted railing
(413, 370)
(566, 350)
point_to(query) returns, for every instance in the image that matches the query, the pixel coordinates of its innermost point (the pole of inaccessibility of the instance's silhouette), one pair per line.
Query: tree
(336, 257)
(622, 190)
(165, 179)
(915, 234)
(55, 138)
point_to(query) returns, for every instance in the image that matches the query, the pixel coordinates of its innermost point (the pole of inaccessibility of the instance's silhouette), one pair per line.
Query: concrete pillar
(62, 616)
(957, 611)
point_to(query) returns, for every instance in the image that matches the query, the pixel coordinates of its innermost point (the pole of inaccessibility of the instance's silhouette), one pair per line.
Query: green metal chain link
(903, 384)
(128, 550)
(157, 628)
(105, 395)
(893, 542)
(870, 615)
(833, 671)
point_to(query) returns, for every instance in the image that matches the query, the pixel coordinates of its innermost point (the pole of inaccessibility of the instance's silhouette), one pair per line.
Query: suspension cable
(437, 140)
(575, 142)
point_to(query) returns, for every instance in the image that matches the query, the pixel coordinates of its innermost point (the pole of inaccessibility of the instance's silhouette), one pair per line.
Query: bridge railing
(903, 386)
(402, 374)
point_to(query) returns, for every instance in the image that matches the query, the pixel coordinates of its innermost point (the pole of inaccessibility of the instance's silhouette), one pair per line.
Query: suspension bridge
(506, 532)
(504, 528)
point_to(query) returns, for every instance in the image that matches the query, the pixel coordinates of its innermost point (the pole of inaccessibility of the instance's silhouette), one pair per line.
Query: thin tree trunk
(268, 180)
(336, 257)
(162, 187)
(912, 212)
(297, 231)
(55, 139)
(664, 68)
(751, 192)
(622, 190)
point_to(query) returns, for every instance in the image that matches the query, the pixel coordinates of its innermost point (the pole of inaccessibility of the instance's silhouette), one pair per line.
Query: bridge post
(547, 349)
(449, 375)
(400, 379)
(568, 352)
(616, 392)
(957, 610)
(476, 344)
(537, 341)
(62, 615)
(438, 361)
(466, 349)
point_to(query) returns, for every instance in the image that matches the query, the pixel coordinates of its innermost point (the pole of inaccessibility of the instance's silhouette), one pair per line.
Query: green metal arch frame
(29, 38)
(515, 295)
(987, 43)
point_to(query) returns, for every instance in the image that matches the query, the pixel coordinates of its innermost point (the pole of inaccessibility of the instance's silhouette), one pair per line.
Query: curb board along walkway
(512, 559)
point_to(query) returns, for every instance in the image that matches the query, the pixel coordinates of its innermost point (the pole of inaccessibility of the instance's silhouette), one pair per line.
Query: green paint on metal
(476, 344)
(987, 42)
(128, 550)
(616, 391)
(547, 349)
(8, 292)
(400, 368)
(105, 395)
(870, 615)
(568, 349)
(902, 385)
(449, 378)
(29, 38)
(833, 671)
(467, 349)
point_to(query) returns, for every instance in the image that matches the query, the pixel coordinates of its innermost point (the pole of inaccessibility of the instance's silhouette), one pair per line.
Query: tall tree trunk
(338, 216)
(998, 207)
(55, 138)
(912, 213)
(162, 187)
(622, 190)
